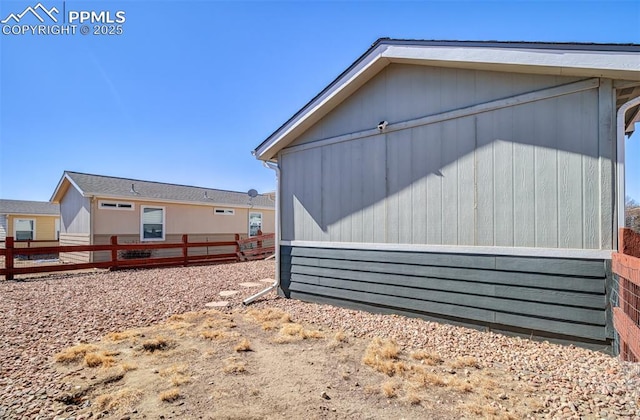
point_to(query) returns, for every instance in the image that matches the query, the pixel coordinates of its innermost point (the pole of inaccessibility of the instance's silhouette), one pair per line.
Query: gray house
(479, 182)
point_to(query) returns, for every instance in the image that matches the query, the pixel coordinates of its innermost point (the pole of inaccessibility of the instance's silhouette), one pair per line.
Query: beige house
(29, 220)
(95, 207)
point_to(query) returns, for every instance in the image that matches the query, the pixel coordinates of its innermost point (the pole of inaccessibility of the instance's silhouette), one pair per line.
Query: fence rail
(626, 304)
(139, 255)
(30, 243)
(256, 247)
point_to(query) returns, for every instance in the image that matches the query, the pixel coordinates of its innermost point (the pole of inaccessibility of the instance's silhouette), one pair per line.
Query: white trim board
(591, 254)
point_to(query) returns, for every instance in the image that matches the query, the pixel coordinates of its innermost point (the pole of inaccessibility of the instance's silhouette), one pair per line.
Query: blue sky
(191, 87)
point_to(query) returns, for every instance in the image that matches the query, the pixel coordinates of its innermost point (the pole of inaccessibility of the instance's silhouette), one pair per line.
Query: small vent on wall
(224, 212)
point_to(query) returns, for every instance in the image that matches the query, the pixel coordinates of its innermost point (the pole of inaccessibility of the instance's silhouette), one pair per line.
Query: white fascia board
(356, 77)
(68, 178)
(615, 65)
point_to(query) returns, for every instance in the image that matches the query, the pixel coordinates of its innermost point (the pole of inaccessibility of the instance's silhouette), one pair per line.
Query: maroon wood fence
(138, 255)
(626, 311)
(256, 247)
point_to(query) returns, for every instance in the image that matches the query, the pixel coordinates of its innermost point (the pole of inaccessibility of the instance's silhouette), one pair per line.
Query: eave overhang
(618, 62)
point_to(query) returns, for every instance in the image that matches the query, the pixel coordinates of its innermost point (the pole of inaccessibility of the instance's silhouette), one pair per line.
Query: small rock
(325, 395)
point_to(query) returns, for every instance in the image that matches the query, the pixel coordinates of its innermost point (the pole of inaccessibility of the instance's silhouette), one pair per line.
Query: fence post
(237, 236)
(8, 259)
(260, 241)
(185, 249)
(114, 250)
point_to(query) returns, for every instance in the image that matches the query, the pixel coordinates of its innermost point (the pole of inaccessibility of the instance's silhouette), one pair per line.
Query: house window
(224, 212)
(152, 224)
(57, 227)
(255, 223)
(25, 229)
(113, 205)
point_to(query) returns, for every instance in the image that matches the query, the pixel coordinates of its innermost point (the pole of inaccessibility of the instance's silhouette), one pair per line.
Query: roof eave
(59, 192)
(519, 58)
(170, 201)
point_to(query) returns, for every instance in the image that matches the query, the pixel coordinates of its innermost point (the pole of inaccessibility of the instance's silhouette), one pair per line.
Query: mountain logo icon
(34, 11)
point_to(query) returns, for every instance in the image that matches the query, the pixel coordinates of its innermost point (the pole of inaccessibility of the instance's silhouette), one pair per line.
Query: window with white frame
(255, 223)
(152, 223)
(24, 229)
(114, 205)
(224, 212)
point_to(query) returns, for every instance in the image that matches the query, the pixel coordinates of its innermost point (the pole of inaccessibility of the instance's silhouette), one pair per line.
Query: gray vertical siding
(75, 213)
(402, 92)
(541, 295)
(531, 175)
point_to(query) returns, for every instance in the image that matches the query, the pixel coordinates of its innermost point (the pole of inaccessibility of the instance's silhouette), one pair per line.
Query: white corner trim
(597, 254)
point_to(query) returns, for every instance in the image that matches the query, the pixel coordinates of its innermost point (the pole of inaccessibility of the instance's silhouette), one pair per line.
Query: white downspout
(276, 283)
(620, 152)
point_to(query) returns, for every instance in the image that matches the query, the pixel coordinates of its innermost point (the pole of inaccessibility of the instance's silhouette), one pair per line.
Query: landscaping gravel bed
(41, 316)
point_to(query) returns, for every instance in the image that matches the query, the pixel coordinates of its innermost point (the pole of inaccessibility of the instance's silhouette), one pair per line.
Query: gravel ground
(41, 316)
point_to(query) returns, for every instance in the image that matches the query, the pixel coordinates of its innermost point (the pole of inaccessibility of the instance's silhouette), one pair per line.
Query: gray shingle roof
(100, 185)
(28, 207)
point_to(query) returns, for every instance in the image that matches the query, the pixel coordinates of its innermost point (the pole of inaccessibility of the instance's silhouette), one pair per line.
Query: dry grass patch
(127, 367)
(155, 344)
(122, 335)
(218, 323)
(123, 398)
(461, 386)
(290, 333)
(463, 362)
(193, 317)
(382, 355)
(174, 370)
(423, 379)
(170, 395)
(427, 358)
(269, 319)
(390, 389)
(233, 365)
(340, 337)
(215, 335)
(179, 374)
(102, 359)
(413, 398)
(74, 353)
(243, 345)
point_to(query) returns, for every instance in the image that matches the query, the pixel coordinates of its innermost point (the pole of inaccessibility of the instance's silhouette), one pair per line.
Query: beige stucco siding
(45, 226)
(180, 219)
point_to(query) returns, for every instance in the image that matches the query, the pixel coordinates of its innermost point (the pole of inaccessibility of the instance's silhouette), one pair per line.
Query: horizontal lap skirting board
(553, 295)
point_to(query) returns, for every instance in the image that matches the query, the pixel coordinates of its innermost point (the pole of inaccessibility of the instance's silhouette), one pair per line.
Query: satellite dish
(252, 193)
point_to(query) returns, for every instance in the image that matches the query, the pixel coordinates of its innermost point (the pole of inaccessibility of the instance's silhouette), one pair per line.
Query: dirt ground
(260, 363)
